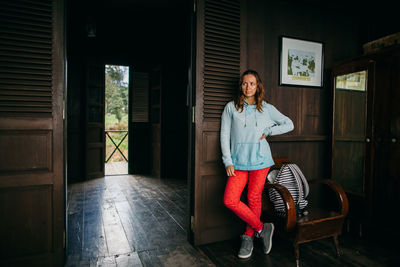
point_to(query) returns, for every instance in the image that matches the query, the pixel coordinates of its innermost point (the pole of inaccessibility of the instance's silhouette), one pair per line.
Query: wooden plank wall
(309, 107)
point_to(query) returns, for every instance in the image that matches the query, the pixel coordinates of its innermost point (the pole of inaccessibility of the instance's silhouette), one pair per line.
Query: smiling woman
(246, 123)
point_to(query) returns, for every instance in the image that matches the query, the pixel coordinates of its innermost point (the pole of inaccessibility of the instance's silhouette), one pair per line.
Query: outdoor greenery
(116, 109)
(112, 122)
(117, 137)
(116, 91)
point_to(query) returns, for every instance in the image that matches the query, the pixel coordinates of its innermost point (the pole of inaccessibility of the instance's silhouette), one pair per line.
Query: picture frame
(355, 81)
(301, 62)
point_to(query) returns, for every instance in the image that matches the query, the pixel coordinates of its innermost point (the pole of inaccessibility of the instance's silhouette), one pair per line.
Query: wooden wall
(309, 107)
(159, 34)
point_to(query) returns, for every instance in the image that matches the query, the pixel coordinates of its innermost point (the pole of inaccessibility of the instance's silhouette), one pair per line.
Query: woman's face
(249, 85)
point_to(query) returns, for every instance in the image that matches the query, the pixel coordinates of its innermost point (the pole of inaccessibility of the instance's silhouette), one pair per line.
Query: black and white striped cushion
(286, 177)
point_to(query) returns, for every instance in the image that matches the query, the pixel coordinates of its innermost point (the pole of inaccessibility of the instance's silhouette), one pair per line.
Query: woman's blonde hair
(259, 96)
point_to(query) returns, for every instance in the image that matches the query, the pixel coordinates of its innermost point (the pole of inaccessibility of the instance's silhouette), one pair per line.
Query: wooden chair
(322, 221)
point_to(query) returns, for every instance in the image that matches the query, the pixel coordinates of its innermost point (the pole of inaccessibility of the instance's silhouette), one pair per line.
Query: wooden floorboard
(356, 251)
(135, 220)
(129, 221)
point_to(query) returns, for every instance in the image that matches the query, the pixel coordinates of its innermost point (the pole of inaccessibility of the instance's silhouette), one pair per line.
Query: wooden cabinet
(365, 138)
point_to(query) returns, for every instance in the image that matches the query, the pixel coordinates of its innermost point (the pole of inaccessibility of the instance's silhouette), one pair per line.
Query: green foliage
(112, 123)
(116, 108)
(290, 60)
(311, 65)
(116, 91)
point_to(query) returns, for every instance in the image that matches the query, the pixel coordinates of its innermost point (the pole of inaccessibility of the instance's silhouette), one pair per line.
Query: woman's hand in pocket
(230, 171)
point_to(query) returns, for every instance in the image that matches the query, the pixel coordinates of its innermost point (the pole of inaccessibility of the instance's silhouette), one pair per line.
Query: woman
(246, 123)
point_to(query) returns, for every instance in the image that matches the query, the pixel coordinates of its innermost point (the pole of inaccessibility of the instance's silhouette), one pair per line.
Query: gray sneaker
(246, 248)
(266, 235)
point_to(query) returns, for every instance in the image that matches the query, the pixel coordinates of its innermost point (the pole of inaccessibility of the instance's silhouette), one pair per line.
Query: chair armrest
(290, 207)
(339, 192)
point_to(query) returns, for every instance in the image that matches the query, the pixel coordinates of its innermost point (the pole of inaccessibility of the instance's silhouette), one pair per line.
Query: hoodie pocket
(249, 154)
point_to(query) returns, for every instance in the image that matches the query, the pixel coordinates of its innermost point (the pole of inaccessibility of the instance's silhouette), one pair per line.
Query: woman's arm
(282, 123)
(225, 136)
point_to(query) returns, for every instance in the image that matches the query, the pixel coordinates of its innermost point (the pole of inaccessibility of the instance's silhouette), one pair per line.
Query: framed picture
(301, 62)
(356, 81)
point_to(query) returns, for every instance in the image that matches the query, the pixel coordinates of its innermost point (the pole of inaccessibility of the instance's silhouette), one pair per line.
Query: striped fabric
(291, 177)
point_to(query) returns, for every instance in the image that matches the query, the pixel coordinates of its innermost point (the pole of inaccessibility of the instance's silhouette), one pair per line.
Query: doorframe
(60, 129)
(191, 100)
(130, 66)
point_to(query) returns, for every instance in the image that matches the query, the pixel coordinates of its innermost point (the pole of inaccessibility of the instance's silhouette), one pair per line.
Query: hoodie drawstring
(245, 116)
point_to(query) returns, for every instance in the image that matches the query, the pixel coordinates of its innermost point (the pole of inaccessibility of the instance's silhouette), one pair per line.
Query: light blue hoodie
(241, 131)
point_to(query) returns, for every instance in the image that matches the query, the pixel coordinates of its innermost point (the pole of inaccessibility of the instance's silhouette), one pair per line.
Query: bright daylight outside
(116, 119)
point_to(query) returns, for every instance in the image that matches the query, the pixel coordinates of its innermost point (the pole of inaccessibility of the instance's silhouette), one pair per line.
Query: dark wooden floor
(129, 221)
(140, 221)
(356, 252)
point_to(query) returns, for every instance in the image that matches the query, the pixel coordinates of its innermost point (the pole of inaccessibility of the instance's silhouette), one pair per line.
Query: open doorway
(116, 119)
(146, 211)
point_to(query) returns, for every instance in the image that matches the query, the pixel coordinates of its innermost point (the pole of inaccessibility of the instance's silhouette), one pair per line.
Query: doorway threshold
(116, 168)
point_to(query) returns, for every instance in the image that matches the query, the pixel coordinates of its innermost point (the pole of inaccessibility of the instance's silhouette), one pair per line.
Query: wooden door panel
(36, 143)
(349, 165)
(31, 133)
(353, 142)
(211, 146)
(350, 121)
(217, 74)
(30, 236)
(388, 148)
(95, 135)
(352, 132)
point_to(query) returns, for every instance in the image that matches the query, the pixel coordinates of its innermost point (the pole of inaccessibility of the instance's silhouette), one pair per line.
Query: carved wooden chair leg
(335, 240)
(296, 252)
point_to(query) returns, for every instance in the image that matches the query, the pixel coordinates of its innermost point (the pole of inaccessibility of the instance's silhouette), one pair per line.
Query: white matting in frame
(301, 62)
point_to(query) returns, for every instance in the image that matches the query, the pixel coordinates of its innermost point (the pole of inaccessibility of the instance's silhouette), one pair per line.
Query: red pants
(233, 190)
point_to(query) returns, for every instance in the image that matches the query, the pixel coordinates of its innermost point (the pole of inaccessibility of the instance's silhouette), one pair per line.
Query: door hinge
(193, 114)
(194, 6)
(192, 223)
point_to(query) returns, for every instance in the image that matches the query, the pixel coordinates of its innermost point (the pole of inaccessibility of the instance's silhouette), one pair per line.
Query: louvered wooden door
(217, 75)
(31, 133)
(139, 131)
(95, 135)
